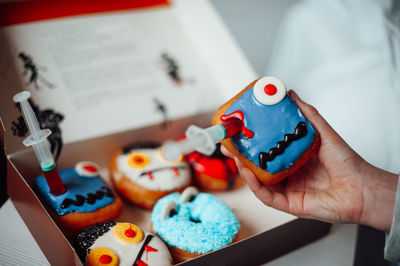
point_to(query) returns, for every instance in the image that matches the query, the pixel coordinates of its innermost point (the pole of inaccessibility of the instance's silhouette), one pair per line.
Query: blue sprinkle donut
(196, 223)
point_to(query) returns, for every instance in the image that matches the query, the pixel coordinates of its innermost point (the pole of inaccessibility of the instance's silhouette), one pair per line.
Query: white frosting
(165, 179)
(266, 99)
(188, 193)
(127, 252)
(79, 167)
(171, 205)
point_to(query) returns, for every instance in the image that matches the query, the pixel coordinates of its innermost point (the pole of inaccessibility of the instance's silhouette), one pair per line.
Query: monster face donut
(215, 172)
(142, 175)
(276, 138)
(86, 201)
(193, 223)
(112, 243)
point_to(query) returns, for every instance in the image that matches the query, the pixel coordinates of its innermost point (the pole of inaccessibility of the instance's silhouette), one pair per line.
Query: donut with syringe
(76, 197)
(275, 138)
(85, 200)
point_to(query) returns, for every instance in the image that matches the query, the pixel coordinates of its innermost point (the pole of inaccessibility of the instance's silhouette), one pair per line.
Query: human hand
(336, 185)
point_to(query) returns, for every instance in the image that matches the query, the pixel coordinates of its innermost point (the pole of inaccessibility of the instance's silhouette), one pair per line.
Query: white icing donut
(155, 251)
(147, 168)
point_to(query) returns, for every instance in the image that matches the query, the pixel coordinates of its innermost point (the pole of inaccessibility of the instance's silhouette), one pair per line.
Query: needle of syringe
(201, 140)
(37, 140)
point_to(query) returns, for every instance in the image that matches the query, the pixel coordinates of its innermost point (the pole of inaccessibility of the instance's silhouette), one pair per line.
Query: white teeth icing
(170, 206)
(188, 194)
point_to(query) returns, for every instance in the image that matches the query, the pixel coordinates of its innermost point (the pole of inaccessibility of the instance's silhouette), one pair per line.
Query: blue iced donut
(194, 223)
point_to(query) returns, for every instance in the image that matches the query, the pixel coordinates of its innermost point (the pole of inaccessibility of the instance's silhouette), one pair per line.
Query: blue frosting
(270, 123)
(218, 226)
(75, 185)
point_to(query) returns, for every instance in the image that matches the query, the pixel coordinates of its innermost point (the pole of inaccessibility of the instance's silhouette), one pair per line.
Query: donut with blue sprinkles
(193, 223)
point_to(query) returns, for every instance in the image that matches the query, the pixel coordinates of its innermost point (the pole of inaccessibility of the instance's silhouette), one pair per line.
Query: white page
(103, 72)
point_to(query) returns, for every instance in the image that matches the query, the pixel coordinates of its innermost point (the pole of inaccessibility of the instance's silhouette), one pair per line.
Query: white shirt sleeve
(392, 245)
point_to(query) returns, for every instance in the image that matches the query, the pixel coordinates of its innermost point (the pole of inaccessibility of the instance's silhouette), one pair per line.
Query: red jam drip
(140, 263)
(270, 89)
(239, 115)
(54, 181)
(149, 175)
(90, 168)
(105, 259)
(149, 249)
(176, 171)
(130, 233)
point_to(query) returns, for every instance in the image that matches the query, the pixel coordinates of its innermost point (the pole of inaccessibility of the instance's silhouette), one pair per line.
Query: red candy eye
(130, 233)
(138, 159)
(105, 259)
(270, 89)
(90, 168)
(87, 169)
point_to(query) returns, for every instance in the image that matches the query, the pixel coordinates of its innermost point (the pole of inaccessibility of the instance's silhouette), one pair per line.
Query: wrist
(379, 194)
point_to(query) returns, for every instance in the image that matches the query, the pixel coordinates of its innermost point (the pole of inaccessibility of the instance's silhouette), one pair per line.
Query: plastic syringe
(38, 140)
(202, 140)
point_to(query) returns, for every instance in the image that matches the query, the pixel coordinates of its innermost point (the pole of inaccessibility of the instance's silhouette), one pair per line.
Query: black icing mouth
(194, 220)
(90, 198)
(179, 167)
(299, 132)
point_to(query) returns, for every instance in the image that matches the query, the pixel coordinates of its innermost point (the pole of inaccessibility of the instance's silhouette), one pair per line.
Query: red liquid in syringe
(54, 181)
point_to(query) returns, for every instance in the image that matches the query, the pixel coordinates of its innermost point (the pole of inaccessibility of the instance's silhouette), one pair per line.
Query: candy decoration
(122, 232)
(101, 256)
(270, 89)
(87, 169)
(105, 259)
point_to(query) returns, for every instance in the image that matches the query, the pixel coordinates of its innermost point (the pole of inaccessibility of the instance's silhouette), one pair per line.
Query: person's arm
(336, 185)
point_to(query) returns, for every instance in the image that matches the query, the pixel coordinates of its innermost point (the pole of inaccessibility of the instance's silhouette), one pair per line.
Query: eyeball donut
(281, 138)
(142, 175)
(215, 172)
(112, 243)
(193, 224)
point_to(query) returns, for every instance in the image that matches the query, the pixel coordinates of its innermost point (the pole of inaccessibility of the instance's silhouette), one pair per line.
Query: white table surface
(17, 246)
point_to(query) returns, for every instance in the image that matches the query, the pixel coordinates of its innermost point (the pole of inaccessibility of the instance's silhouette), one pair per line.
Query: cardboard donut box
(265, 233)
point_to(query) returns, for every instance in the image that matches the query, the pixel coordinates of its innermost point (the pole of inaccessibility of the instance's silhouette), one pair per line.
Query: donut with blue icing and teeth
(193, 224)
(123, 244)
(276, 138)
(86, 201)
(142, 175)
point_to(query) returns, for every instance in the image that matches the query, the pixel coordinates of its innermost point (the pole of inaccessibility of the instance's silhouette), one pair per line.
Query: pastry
(142, 175)
(193, 224)
(215, 172)
(87, 199)
(276, 138)
(112, 243)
